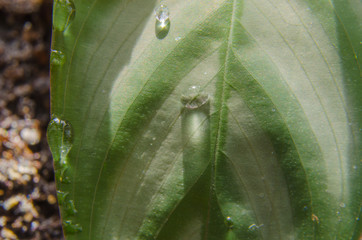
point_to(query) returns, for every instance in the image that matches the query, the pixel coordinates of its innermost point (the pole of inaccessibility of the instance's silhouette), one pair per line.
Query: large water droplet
(57, 58)
(63, 14)
(195, 133)
(195, 98)
(70, 227)
(162, 26)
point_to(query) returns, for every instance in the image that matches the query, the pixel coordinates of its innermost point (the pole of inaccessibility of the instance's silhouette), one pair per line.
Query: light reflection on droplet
(162, 26)
(229, 222)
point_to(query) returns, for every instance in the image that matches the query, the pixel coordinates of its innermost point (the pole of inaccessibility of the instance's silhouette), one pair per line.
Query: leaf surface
(242, 122)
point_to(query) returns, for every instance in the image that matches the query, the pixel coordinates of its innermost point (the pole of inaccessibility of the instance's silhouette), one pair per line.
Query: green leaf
(235, 120)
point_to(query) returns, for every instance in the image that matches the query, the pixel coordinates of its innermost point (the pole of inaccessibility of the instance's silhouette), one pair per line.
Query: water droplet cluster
(60, 139)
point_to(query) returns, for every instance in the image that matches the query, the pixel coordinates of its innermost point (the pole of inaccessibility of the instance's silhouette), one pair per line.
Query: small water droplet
(63, 14)
(162, 26)
(229, 222)
(61, 197)
(70, 208)
(154, 138)
(273, 110)
(57, 58)
(70, 227)
(162, 13)
(342, 205)
(61, 171)
(195, 98)
(60, 139)
(177, 38)
(261, 195)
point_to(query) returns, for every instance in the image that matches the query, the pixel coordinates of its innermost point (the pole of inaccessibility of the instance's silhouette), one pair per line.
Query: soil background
(28, 203)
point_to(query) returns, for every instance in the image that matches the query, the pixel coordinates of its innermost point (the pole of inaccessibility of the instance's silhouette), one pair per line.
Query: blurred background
(28, 204)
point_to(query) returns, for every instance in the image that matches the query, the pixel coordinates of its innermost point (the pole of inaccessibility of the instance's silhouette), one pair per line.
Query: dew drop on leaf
(162, 26)
(57, 58)
(60, 139)
(70, 227)
(229, 222)
(63, 14)
(61, 197)
(162, 13)
(70, 208)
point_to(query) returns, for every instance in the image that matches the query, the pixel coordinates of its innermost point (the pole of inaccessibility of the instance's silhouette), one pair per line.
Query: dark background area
(28, 205)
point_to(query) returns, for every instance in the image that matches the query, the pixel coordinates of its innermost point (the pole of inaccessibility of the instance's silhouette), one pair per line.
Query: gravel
(28, 203)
